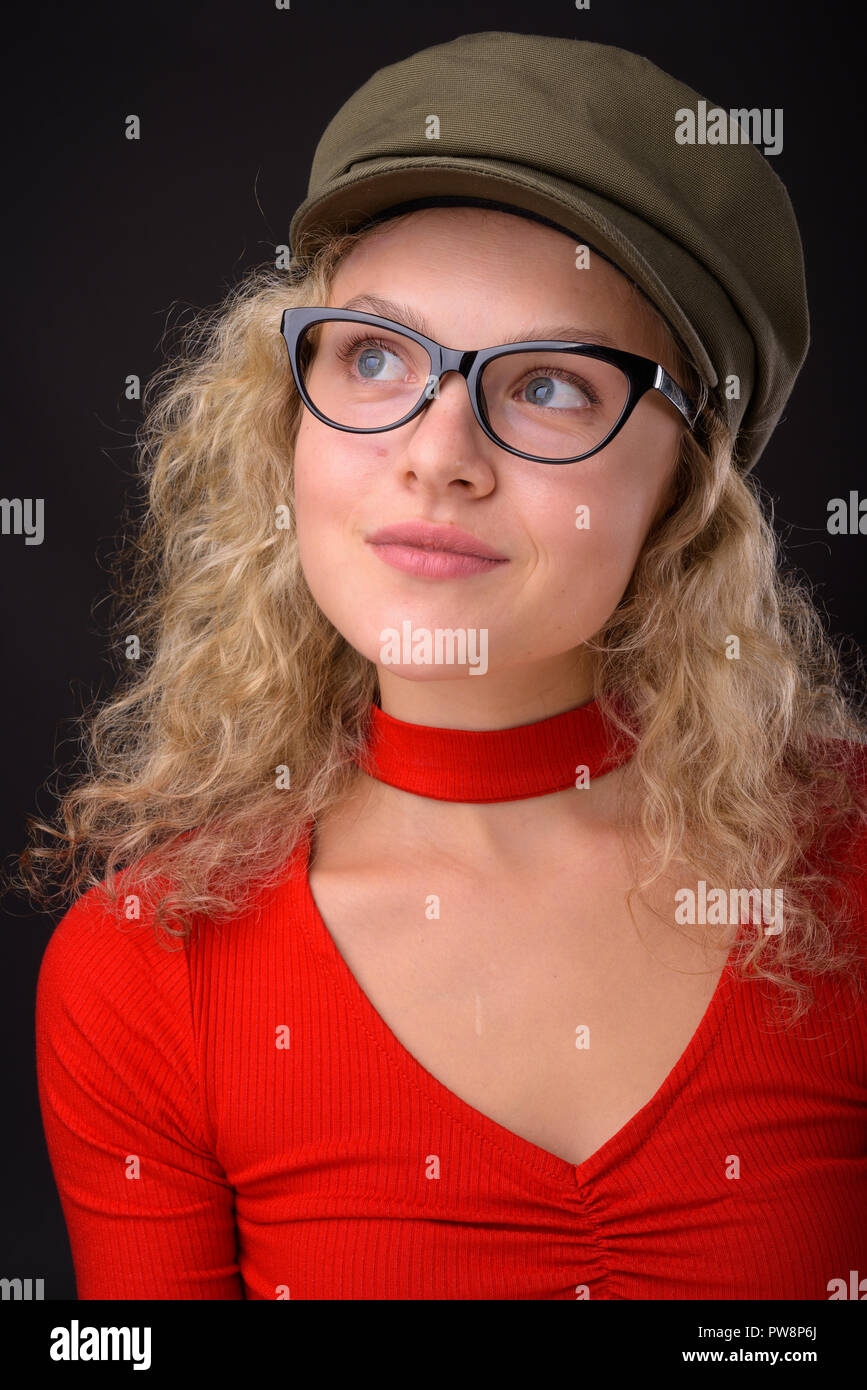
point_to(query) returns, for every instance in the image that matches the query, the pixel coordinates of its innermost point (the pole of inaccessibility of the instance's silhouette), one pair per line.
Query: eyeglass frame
(642, 373)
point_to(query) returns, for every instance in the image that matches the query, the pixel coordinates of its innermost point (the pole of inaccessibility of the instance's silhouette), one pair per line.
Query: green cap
(595, 139)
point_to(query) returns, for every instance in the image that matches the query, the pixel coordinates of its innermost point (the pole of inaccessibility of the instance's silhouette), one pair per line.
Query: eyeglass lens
(555, 405)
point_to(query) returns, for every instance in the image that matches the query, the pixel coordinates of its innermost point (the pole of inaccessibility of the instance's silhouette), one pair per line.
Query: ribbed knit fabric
(234, 1119)
(483, 765)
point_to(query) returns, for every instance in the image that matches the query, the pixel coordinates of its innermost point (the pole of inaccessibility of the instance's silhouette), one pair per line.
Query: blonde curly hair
(747, 769)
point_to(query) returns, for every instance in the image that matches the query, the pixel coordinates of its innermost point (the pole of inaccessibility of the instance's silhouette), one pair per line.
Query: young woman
(480, 907)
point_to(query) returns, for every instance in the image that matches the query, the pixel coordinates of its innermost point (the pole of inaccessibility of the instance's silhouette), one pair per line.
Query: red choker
(494, 764)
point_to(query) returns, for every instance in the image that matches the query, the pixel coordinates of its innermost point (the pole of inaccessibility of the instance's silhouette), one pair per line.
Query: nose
(452, 392)
(453, 446)
(437, 384)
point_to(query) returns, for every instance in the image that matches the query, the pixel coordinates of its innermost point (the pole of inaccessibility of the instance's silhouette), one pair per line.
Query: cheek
(333, 470)
(617, 502)
(590, 525)
(327, 479)
(320, 499)
(594, 548)
(330, 492)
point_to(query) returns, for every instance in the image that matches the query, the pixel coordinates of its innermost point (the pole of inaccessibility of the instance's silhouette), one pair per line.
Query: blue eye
(542, 390)
(374, 354)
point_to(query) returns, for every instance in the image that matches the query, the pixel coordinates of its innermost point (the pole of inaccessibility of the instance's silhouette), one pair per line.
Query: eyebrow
(411, 318)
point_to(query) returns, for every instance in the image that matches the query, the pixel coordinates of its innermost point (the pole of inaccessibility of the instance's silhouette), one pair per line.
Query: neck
(524, 789)
(537, 831)
(496, 700)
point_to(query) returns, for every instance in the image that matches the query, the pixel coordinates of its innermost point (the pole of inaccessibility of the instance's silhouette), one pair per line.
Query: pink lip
(424, 535)
(433, 564)
(435, 552)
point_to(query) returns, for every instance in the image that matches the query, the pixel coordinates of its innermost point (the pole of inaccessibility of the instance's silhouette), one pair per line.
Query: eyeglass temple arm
(670, 389)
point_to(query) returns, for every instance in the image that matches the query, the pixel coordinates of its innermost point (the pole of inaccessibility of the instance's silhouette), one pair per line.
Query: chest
(529, 993)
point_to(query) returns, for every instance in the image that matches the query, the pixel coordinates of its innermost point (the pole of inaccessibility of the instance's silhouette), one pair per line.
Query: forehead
(474, 272)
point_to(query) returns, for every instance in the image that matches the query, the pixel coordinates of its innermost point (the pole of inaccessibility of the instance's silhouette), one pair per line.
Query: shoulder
(96, 953)
(102, 978)
(93, 940)
(115, 1030)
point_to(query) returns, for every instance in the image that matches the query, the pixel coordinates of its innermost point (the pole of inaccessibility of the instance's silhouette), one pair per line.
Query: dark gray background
(108, 241)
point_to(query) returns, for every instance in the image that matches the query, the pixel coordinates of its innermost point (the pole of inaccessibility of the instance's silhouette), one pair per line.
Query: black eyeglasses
(550, 402)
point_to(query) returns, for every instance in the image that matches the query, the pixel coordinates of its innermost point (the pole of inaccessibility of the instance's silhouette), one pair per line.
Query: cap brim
(630, 243)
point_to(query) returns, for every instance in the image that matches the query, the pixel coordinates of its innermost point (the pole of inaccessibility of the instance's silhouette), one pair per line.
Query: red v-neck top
(235, 1120)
